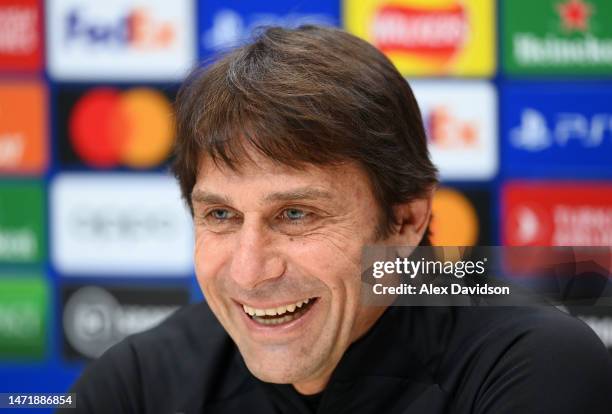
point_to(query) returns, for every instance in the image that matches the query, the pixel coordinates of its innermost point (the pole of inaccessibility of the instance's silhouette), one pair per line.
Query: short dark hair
(311, 95)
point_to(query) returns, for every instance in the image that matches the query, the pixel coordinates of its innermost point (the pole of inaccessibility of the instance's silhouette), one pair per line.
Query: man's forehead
(246, 166)
(271, 181)
(258, 167)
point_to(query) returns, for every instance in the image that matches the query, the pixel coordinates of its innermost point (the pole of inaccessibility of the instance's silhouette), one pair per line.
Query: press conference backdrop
(95, 244)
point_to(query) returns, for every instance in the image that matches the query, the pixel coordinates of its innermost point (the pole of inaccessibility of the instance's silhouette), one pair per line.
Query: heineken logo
(575, 15)
(552, 50)
(559, 36)
(433, 33)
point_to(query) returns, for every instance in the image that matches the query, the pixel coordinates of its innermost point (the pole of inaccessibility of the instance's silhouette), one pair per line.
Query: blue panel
(557, 129)
(226, 23)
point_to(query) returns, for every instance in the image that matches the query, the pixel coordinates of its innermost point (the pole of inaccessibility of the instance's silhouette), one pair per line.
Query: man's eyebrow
(306, 193)
(205, 197)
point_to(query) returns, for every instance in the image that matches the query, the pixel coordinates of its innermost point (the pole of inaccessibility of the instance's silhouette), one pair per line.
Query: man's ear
(411, 220)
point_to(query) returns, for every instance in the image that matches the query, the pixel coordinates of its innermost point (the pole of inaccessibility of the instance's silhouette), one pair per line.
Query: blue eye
(294, 214)
(220, 214)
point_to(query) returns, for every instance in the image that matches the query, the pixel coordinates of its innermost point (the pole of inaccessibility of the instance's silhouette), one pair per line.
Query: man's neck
(317, 384)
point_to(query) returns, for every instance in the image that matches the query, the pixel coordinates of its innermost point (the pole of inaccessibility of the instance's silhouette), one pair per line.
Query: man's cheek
(344, 246)
(207, 272)
(210, 254)
(324, 246)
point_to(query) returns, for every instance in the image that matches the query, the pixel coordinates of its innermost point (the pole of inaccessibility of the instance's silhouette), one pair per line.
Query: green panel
(23, 310)
(22, 214)
(562, 37)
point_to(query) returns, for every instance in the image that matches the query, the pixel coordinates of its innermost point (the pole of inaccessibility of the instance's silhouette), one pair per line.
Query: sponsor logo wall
(23, 127)
(24, 317)
(557, 129)
(557, 213)
(22, 212)
(21, 41)
(120, 39)
(556, 136)
(95, 243)
(428, 37)
(228, 23)
(572, 37)
(460, 118)
(96, 317)
(105, 127)
(461, 217)
(119, 224)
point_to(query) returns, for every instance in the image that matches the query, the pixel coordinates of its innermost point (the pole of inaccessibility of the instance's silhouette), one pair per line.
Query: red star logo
(575, 14)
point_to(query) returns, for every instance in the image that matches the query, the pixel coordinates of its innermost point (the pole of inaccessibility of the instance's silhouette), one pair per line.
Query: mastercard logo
(109, 128)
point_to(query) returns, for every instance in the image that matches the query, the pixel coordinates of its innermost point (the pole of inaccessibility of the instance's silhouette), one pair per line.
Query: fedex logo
(137, 28)
(535, 134)
(120, 40)
(461, 123)
(446, 130)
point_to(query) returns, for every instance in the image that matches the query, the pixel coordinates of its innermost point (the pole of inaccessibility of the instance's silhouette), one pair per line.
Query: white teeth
(280, 310)
(248, 310)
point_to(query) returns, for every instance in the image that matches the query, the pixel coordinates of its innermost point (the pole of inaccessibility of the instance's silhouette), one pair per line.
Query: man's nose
(254, 260)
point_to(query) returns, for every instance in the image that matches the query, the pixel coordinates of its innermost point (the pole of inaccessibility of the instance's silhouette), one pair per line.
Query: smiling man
(278, 259)
(293, 153)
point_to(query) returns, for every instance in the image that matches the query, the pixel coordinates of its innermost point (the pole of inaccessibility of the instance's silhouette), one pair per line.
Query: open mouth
(280, 314)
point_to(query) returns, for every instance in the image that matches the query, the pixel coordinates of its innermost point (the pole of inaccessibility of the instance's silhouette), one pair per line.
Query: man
(293, 153)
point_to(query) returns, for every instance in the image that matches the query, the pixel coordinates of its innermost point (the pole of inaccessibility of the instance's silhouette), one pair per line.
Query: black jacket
(414, 360)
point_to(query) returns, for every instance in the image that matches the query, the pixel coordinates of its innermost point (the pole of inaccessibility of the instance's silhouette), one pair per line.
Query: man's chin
(280, 369)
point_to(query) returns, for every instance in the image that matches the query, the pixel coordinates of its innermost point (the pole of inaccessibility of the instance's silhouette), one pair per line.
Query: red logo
(547, 214)
(434, 33)
(575, 15)
(109, 127)
(20, 35)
